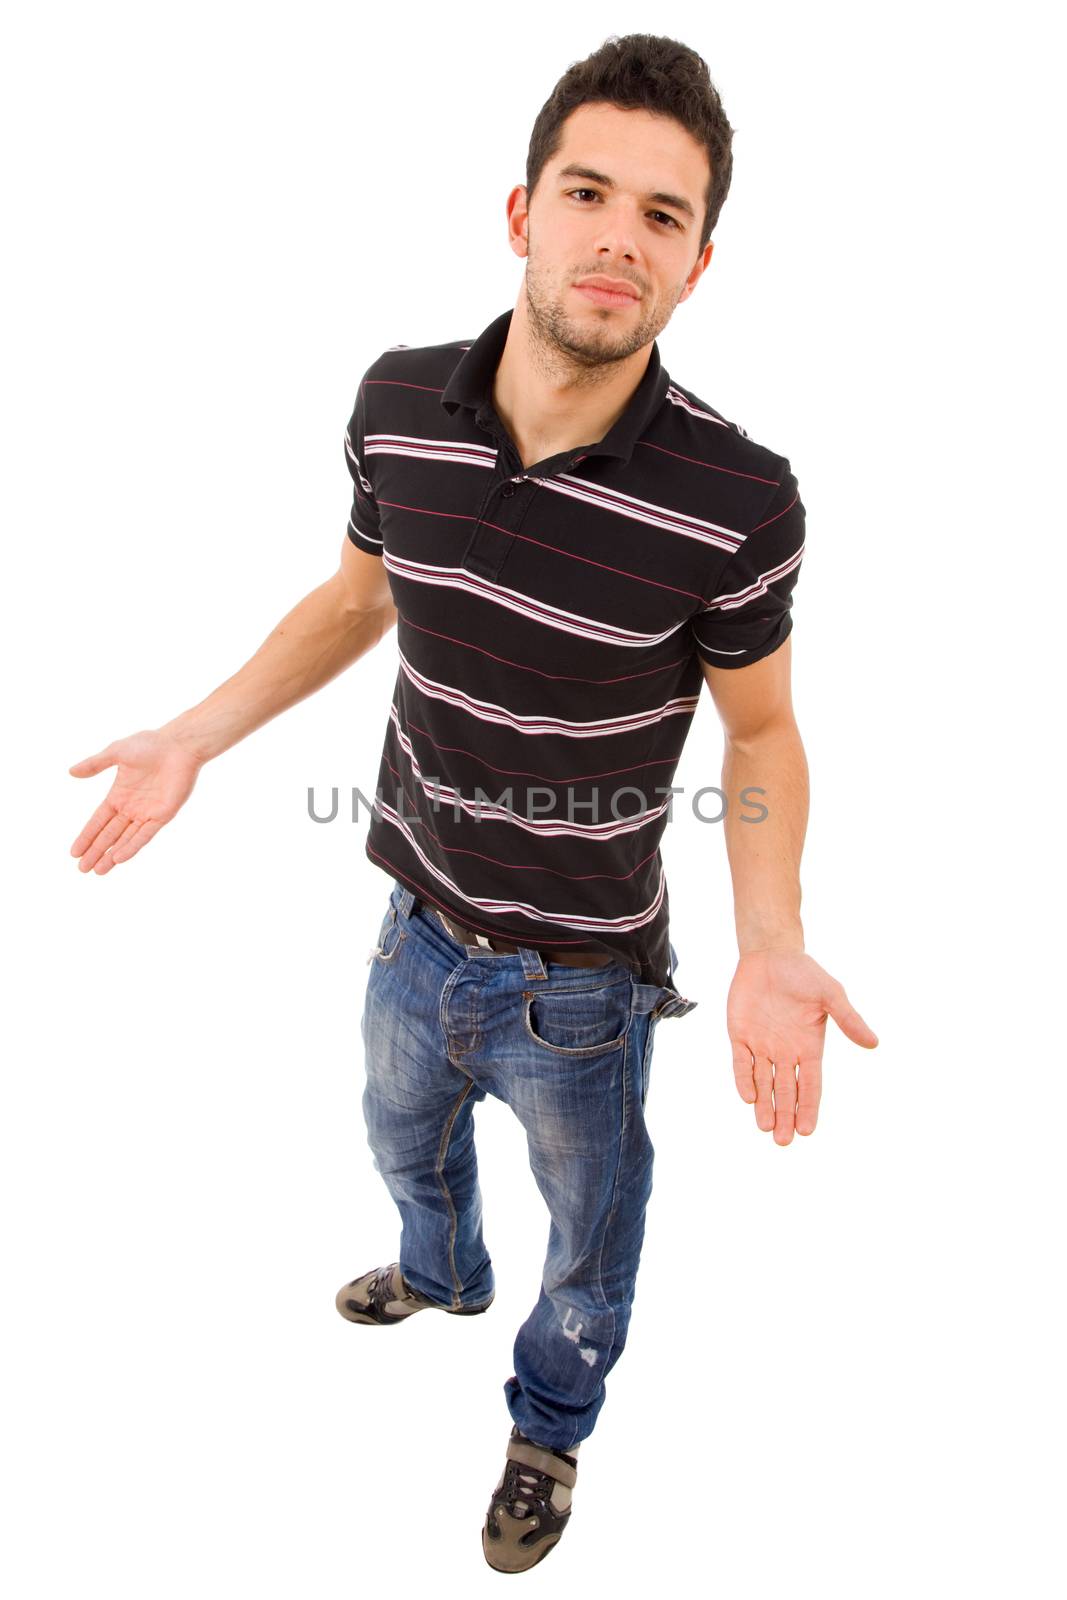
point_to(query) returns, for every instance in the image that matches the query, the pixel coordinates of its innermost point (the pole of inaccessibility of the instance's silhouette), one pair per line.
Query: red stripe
(396, 384)
(566, 554)
(510, 866)
(424, 894)
(711, 465)
(520, 772)
(777, 514)
(556, 677)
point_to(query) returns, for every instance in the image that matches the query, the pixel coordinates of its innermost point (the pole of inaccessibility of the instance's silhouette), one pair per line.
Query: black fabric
(552, 625)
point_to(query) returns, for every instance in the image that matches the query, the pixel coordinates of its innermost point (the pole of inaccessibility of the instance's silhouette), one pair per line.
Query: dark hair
(642, 71)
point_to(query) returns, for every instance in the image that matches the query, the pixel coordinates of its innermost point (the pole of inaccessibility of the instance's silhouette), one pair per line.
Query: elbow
(776, 729)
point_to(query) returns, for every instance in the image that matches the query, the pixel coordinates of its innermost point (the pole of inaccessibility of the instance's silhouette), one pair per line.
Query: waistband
(661, 1000)
(465, 935)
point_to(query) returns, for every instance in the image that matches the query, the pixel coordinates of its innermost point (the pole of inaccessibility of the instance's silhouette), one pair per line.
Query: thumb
(849, 1020)
(91, 764)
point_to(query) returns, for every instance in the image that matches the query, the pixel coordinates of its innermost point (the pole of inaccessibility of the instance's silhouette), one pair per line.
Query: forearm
(765, 855)
(315, 641)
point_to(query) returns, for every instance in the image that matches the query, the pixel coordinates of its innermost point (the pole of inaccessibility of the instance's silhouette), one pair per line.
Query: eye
(596, 196)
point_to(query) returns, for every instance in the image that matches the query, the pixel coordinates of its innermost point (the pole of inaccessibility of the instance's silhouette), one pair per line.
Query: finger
(107, 860)
(103, 813)
(91, 764)
(809, 1093)
(746, 1087)
(130, 843)
(785, 1100)
(107, 836)
(763, 1072)
(848, 1018)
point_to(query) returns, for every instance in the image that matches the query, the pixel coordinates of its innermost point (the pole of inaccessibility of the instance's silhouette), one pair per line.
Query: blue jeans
(569, 1050)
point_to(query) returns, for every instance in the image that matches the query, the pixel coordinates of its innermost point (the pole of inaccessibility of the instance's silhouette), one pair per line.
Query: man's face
(634, 229)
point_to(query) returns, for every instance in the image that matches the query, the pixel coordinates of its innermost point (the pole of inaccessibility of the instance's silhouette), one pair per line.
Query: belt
(570, 958)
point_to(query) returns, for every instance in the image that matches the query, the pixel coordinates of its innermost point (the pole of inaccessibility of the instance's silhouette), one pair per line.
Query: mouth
(606, 297)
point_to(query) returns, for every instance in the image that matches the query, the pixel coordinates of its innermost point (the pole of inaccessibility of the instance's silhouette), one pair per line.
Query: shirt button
(508, 490)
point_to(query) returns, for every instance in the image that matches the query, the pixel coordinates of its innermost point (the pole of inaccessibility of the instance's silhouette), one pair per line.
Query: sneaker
(383, 1295)
(531, 1504)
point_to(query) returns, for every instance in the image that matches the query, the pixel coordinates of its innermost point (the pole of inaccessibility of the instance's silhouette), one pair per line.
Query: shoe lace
(380, 1288)
(521, 1485)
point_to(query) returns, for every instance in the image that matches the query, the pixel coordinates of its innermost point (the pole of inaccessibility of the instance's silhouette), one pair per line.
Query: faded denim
(569, 1049)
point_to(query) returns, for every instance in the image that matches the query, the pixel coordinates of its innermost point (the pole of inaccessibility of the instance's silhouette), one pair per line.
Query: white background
(844, 1372)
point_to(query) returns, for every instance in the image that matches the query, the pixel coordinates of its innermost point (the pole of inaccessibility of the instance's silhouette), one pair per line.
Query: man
(570, 544)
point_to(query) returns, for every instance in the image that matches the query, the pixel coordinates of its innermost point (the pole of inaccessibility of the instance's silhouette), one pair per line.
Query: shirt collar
(471, 384)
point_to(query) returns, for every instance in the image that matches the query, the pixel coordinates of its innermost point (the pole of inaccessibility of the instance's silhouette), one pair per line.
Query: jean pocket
(574, 1020)
(391, 936)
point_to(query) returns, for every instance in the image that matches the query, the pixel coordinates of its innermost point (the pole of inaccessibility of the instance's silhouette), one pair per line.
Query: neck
(548, 401)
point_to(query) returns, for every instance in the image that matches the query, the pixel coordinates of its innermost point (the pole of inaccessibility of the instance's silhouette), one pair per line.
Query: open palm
(776, 1015)
(155, 777)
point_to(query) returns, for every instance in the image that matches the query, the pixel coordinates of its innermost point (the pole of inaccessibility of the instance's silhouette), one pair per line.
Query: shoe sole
(368, 1321)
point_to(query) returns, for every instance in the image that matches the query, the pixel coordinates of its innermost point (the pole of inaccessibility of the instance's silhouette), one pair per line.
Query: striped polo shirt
(551, 622)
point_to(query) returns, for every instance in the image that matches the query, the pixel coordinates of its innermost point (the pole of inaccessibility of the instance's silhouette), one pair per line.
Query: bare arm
(326, 632)
(780, 997)
(763, 750)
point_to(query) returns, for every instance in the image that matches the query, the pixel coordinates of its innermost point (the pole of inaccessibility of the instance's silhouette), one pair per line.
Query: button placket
(493, 537)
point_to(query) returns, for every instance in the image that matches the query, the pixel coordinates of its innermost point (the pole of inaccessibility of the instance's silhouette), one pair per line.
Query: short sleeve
(364, 522)
(749, 616)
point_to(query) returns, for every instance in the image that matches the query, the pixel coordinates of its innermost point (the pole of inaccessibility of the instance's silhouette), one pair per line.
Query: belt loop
(644, 996)
(533, 965)
(405, 899)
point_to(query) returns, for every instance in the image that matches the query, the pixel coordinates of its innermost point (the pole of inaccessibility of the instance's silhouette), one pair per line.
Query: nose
(618, 233)
(616, 245)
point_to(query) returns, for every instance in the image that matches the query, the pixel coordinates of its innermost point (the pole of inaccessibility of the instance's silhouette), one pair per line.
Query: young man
(570, 544)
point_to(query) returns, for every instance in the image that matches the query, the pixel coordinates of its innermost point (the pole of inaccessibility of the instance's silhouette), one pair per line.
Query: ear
(518, 220)
(697, 271)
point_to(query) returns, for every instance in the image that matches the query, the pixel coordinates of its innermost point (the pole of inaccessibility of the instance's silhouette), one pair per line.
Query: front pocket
(579, 1022)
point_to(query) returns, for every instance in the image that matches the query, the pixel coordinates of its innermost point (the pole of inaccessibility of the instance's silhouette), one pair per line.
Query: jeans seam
(646, 1059)
(624, 1128)
(442, 1154)
(451, 1044)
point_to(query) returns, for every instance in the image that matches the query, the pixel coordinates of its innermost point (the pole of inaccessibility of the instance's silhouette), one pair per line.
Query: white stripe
(368, 536)
(399, 444)
(522, 907)
(676, 398)
(566, 483)
(536, 610)
(487, 711)
(628, 505)
(489, 811)
(752, 591)
(363, 480)
(447, 445)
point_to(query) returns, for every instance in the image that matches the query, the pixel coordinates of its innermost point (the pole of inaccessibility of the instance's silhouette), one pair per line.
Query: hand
(776, 1017)
(155, 778)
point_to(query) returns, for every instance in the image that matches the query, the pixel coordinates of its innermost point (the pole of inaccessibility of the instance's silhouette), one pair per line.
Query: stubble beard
(584, 350)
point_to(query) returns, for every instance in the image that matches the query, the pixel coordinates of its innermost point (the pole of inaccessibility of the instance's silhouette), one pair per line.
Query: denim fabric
(569, 1049)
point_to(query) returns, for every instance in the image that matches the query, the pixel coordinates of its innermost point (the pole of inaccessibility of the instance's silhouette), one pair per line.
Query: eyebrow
(575, 170)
